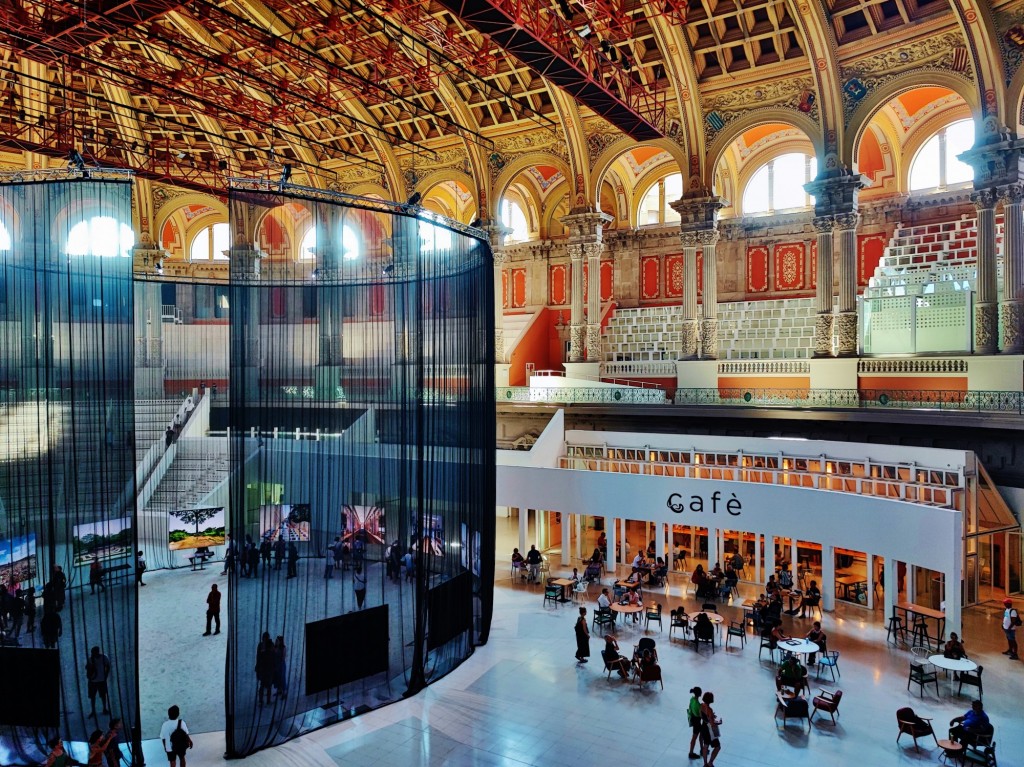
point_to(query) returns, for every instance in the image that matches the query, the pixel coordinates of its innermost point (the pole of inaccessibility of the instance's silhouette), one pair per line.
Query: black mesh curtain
(361, 409)
(66, 446)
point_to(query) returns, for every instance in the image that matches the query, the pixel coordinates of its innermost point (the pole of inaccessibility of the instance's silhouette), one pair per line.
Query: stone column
(698, 223)
(690, 323)
(496, 234)
(584, 242)
(823, 293)
(846, 318)
(708, 238)
(1012, 303)
(986, 308)
(592, 253)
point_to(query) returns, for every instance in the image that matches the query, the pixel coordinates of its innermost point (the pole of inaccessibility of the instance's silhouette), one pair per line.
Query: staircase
(199, 466)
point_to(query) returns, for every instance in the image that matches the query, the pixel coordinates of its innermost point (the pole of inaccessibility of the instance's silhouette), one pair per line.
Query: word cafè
(678, 504)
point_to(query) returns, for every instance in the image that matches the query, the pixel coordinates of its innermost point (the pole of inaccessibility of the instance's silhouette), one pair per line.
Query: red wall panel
(789, 266)
(674, 278)
(869, 251)
(757, 269)
(518, 288)
(558, 279)
(650, 277)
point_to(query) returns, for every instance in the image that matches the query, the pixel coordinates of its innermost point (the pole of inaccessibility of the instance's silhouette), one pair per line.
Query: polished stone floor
(523, 700)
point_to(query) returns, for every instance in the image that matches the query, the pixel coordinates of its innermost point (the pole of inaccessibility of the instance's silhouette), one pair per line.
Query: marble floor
(523, 700)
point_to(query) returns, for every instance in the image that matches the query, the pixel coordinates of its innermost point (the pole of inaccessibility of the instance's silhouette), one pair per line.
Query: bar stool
(919, 632)
(896, 630)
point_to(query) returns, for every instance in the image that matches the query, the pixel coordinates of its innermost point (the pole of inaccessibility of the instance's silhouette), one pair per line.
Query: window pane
(514, 218)
(924, 173)
(200, 250)
(755, 196)
(202, 297)
(100, 236)
(648, 212)
(959, 138)
(5, 237)
(350, 245)
(308, 244)
(790, 171)
(673, 191)
(220, 302)
(221, 241)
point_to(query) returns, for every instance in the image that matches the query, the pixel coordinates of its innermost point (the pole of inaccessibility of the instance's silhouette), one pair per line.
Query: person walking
(359, 584)
(582, 637)
(329, 561)
(278, 553)
(694, 720)
(96, 577)
(174, 737)
(1011, 620)
(60, 587)
(30, 609)
(336, 553)
(265, 665)
(97, 669)
(254, 561)
(140, 566)
(51, 627)
(709, 735)
(293, 560)
(265, 551)
(280, 668)
(212, 610)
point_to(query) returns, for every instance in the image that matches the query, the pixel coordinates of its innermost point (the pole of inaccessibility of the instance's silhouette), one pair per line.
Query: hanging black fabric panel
(362, 411)
(67, 494)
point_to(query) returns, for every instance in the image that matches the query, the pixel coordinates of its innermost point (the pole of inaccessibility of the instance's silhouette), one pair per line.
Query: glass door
(971, 580)
(1013, 562)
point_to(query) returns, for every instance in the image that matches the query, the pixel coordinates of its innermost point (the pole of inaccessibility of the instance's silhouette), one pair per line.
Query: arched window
(5, 237)
(434, 238)
(100, 236)
(514, 218)
(936, 165)
(655, 208)
(349, 244)
(778, 186)
(213, 241)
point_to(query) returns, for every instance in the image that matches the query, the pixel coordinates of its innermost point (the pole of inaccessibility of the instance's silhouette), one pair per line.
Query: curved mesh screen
(361, 433)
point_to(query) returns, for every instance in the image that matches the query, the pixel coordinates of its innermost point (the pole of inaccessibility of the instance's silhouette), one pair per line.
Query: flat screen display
(35, 674)
(286, 521)
(433, 532)
(195, 528)
(109, 539)
(365, 521)
(346, 649)
(450, 607)
(17, 560)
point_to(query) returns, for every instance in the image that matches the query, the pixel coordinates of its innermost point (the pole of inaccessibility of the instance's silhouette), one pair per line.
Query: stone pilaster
(986, 308)
(708, 239)
(585, 246)
(1012, 303)
(690, 323)
(824, 226)
(846, 318)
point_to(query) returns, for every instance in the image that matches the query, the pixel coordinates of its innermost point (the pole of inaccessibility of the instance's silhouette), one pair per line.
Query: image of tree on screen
(184, 529)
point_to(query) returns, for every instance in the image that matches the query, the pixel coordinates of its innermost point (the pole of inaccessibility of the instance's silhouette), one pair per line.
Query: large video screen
(346, 648)
(450, 609)
(287, 522)
(366, 521)
(195, 528)
(433, 532)
(35, 674)
(17, 560)
(110, 539)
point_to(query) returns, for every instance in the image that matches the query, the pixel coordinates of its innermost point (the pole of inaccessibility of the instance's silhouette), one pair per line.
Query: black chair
(645, 643)
(736, 630)
(919, 632)
(792, 708)
(896, 631)
(678, 621)
(920, 675)
(703, 633)
(552, 594)
(769, 644)
(652, 613)
(913, 725)
(603, 617)
(970, 678)
(709, 607)
(615, 664)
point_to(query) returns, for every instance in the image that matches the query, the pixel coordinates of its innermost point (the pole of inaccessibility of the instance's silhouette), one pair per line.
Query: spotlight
(75, 159)
(475, 223)
(286, 173)
(415, 199)
(388, 270)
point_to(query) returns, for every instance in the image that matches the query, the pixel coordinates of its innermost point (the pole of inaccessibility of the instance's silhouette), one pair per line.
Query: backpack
(180, 740)
(1015, 618)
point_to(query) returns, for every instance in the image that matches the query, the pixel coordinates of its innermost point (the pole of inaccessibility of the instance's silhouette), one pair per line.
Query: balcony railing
(892, 399)
(580, 394)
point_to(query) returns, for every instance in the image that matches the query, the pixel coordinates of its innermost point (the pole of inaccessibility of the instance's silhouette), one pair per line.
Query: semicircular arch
(607, 158)
(517, 166)
(737, 127)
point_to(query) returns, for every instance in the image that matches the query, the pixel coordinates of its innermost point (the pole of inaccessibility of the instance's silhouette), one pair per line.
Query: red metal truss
(548, 45)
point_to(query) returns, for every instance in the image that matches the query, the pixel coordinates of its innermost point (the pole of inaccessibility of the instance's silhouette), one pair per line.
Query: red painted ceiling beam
(91, 24)
(550, 47)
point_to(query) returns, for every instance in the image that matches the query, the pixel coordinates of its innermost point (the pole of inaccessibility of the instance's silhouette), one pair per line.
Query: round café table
(626, 610)
(799, 646)
(952, 664)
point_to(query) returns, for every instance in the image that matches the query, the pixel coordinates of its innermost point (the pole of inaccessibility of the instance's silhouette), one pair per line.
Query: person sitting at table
(792, 674)
(967, 728)
(613, 659)
(785, 577)
(575, 577)
(954, 648)
(602, 543)
(716, 572)
(519, 562)
(771, 587)
(778, 635)
(604, 602)
(651, 550)
(811, 599)
(659, 572)
(597, 557)
(729, 581)
(679, 556)
(533, 559)
(703, 628)
(633, 599)
(773, 612)
(819, 638)
(639, 562)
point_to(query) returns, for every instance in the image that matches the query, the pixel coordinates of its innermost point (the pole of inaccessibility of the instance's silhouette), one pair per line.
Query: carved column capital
(846, 325)
(847, 220)
(688, 239)
(1012, 194)
(574, 250)
(985, 199)
(592, 249)
(824, 224)
(707, 237)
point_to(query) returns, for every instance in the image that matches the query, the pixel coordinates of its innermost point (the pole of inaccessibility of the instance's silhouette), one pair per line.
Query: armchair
(913, 725)
(828, 702)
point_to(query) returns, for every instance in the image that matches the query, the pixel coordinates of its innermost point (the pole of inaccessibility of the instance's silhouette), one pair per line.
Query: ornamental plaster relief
(723, 107)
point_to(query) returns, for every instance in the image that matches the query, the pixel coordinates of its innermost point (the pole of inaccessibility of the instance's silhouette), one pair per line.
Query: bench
(198, 560)
(117, 571)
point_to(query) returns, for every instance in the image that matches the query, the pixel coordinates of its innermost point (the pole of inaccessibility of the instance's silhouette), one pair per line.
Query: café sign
(679, 504)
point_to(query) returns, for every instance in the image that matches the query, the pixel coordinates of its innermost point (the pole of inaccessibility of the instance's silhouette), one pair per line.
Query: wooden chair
(792, 708)
(647, 670)
(736, 630)
(913, 725)
(614, 664)
(828, 702)
(970, 678)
